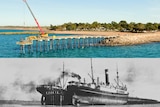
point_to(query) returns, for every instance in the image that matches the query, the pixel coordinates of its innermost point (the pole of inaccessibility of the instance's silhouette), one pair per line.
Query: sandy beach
(124, 38)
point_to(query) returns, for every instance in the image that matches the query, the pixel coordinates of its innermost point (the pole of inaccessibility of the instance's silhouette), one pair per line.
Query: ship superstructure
(89, 93)
(56, 93)
(98, 93)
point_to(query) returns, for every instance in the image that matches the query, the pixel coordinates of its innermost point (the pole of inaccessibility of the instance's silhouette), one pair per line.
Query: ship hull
(86, 95)
(75, 95)
(51, 95)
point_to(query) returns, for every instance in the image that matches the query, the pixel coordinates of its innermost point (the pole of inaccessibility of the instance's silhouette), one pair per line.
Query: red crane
(39, 27)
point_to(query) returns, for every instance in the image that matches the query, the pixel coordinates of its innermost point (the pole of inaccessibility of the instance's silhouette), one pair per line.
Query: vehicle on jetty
(77, 92)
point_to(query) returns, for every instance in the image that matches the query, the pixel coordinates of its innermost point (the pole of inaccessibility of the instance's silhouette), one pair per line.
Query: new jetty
(48, 43)
(43, 42)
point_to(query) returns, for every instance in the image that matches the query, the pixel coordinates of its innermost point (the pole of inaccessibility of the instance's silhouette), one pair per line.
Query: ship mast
(92, 76)
(117, 77)
(63, 75)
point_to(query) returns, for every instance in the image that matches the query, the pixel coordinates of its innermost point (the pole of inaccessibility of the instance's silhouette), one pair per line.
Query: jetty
(47, 43)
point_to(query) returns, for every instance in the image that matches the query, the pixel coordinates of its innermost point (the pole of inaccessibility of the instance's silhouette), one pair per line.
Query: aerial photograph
(80, 53)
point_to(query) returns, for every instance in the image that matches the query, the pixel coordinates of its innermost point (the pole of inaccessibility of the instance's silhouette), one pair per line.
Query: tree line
(122, 26)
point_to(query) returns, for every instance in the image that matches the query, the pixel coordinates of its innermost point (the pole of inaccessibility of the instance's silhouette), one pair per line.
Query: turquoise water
(9, 49)
(11, 30)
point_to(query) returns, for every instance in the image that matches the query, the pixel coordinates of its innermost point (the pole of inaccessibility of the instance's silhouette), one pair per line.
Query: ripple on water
(8, 48)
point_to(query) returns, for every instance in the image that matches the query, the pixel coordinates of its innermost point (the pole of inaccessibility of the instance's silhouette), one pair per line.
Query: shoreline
(124, 38)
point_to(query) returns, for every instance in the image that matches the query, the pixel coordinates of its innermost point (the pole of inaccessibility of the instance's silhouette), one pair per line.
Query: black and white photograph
(88, 53)
(79, 81)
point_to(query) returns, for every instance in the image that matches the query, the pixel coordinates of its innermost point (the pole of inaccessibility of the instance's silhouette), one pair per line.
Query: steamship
(98, 93)
(77, 92)
(94, 93)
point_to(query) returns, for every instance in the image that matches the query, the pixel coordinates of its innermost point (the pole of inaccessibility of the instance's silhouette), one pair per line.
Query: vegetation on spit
(122, 26)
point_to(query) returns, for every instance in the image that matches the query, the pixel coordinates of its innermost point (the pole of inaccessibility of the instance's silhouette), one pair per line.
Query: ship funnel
(106, 75)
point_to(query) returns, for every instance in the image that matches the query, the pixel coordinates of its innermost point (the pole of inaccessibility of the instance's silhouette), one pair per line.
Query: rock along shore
(123, 38)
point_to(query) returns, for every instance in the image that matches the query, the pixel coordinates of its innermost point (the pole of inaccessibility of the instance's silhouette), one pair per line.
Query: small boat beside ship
(94, 93)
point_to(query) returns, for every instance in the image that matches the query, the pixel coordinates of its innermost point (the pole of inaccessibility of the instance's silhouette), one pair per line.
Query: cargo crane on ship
(42, 33)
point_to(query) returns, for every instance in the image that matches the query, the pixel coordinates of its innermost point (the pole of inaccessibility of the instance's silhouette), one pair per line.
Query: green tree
(124, 25)
(81, 26)
(155, 26)
(53, 27)
(131, 26)
(115, 25)
(149, 26)
(139, 27)
(95, 25)
(71, 26)
(121, 26)
(159, 26)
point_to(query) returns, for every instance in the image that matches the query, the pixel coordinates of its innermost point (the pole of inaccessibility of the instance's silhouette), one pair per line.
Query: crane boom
(42, 32)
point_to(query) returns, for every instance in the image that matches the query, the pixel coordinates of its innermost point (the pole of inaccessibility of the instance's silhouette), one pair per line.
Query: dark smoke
(75, 76)
(29, 87)
(70, 74)
(58, 80)
(49, 81)
(131, 74)
(3, 89)
(63, 74)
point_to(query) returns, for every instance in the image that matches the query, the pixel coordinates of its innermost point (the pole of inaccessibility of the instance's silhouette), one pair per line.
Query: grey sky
(140, 75)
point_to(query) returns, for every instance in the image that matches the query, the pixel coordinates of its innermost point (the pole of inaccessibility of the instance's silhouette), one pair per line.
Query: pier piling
(61, 42)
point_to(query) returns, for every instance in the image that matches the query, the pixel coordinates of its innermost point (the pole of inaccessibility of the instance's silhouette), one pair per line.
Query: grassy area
(17, 33)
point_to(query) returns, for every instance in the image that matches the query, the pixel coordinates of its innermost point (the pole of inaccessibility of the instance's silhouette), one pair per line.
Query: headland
(124, 38)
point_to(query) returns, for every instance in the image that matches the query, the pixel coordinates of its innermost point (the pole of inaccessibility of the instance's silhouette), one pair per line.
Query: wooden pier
(48, 43)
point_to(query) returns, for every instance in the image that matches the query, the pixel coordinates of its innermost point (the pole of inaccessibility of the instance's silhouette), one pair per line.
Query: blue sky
(15, 12)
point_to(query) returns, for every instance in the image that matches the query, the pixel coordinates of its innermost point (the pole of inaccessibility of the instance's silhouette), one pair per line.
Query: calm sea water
(11, 30)
(9, 49)
(149, 105)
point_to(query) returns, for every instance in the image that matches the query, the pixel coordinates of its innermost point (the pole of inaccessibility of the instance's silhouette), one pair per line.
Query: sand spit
(134, 39)
(124, 38)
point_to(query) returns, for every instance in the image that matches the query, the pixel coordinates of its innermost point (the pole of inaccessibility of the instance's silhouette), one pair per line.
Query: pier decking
(47, 43)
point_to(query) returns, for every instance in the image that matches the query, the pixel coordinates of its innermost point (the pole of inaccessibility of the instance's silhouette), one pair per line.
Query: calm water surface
(150, 105)
(9, 49)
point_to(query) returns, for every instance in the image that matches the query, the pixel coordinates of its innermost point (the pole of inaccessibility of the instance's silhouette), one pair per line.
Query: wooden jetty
(47, 43)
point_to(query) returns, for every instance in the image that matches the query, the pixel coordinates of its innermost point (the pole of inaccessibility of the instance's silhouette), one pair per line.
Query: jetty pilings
(53, 43)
